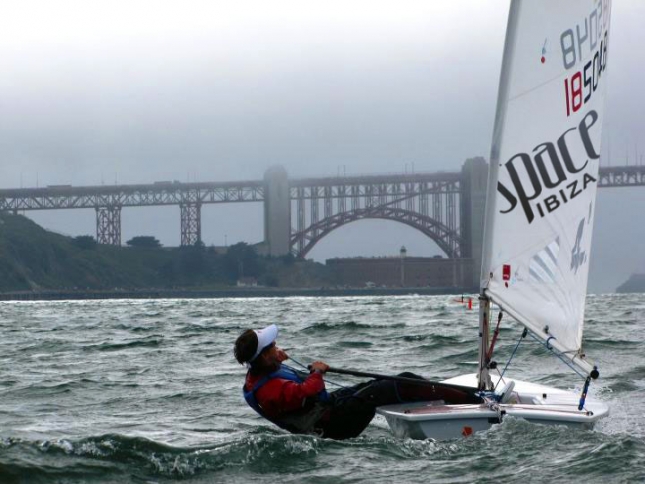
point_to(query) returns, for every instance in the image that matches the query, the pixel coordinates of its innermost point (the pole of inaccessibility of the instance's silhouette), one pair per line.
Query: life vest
(301, 421)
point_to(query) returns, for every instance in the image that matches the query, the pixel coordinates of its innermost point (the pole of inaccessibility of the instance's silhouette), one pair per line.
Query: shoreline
(229, 293)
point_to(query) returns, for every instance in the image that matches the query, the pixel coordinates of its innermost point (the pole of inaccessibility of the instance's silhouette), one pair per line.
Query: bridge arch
(448, 240)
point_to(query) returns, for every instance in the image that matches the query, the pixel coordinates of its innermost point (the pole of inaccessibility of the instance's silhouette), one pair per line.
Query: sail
(544, 165)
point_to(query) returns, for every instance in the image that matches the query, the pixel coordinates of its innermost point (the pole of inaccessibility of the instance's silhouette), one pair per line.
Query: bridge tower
(277, 211)
(191, 223)
(108, 225)
(475, 181)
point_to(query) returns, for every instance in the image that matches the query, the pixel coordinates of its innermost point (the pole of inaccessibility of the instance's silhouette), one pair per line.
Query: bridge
(445, 206)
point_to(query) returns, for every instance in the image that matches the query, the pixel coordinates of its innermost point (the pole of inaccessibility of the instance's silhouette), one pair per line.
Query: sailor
(299, 402)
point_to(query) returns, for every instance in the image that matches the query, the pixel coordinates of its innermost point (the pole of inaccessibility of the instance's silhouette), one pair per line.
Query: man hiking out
(299, 402)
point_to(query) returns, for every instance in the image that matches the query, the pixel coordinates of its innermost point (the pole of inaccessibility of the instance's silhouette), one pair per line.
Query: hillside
(636, 283)
(32, 258)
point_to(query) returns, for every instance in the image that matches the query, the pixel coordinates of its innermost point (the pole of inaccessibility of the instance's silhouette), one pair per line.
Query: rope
(512, 356)
(307, 369)
(558, 354)
(501, 377)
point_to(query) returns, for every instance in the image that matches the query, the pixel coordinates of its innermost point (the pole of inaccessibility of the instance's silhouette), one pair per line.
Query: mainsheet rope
(501, 376)
(307, 369)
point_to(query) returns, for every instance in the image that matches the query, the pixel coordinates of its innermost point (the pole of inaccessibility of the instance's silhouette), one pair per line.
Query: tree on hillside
(193, 260)
(288, 259)
(270, 280)
(241, 260)
(147, 241)
(84, 242)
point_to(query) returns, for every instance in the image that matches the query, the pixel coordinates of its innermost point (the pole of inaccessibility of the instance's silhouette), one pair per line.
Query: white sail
(544, 165)
(539, 215)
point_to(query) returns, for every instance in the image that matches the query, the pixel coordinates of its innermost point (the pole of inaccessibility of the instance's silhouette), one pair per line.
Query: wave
(636, 373)
(354, 344)
(152, 341)
(133, 328)
(102, 458)
(622, 386)
(597, 343)
(148, 315)
(165, 404)
(265, 452)
(434, 339)
(349, 326)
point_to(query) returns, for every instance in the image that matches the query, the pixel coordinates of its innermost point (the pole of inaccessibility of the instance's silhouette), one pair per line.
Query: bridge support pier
(277, 211)
(191, 223)
(108, 225)
(475, 180)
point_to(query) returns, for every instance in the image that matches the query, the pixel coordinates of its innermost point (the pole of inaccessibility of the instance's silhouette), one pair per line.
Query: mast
(498, 131)
(483, 375)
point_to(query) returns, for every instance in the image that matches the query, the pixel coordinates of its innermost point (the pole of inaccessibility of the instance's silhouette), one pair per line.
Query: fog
(134, 92)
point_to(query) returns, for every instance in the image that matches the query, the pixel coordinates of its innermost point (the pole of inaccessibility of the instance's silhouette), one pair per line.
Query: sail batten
(544, 166)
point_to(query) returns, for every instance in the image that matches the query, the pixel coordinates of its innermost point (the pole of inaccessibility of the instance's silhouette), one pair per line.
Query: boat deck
(535, 403)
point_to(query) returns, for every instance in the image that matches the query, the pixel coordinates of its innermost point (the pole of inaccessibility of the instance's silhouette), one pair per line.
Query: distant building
(403, 271)
(219, 249)
(247, 282)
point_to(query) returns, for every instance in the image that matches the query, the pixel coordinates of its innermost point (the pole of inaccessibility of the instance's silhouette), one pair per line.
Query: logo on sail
(550, 166)
(578, 256)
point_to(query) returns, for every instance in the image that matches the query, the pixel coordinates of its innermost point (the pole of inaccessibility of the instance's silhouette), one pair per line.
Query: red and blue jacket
(283, 394)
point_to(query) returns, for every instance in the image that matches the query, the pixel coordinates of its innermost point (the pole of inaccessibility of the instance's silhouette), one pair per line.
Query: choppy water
(148, 391)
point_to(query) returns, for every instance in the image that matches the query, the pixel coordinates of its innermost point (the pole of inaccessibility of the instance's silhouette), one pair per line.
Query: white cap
(266, 336)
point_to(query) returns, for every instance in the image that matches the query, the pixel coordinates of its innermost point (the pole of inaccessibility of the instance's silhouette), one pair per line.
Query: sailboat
(538, 220)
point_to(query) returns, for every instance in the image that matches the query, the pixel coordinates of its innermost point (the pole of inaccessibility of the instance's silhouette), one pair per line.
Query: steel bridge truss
(431, 204)
(622, 176)
(108, 225)
(108, 202)
(191, 225)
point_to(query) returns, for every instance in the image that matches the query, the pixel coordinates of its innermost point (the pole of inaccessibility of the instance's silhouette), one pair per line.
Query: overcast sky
(134, 91)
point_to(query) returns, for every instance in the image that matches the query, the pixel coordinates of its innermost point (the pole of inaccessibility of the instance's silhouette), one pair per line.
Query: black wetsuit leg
(353, 408)
(348, 415)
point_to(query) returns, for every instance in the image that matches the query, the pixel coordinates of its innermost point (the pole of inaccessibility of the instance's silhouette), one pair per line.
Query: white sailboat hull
(535, 403)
